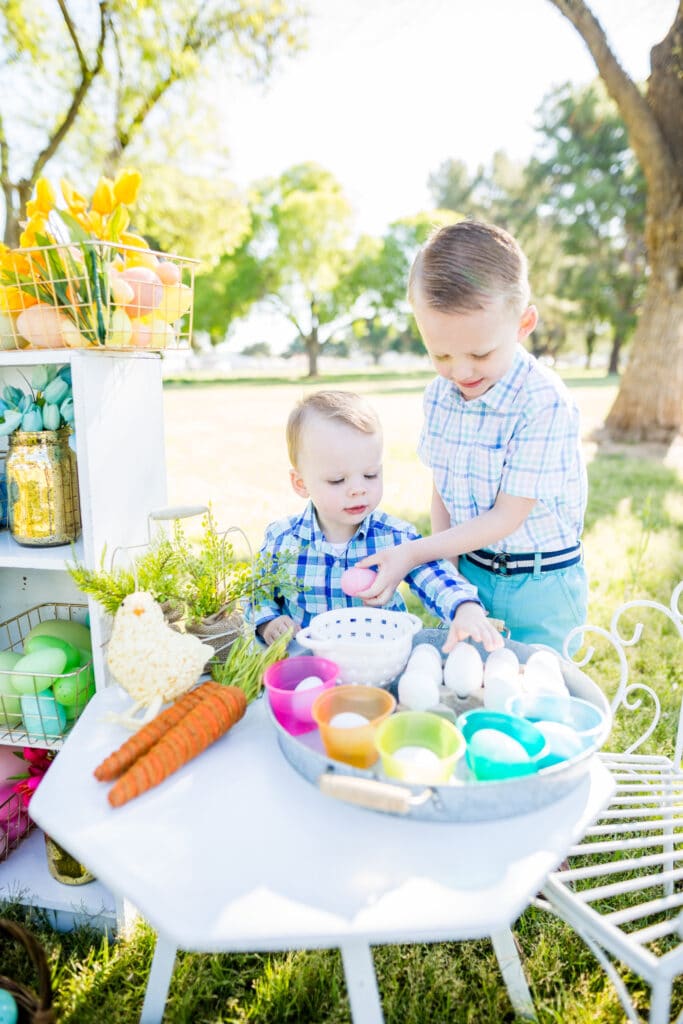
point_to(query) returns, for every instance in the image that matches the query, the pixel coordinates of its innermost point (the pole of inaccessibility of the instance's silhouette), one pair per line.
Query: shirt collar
(309, 529)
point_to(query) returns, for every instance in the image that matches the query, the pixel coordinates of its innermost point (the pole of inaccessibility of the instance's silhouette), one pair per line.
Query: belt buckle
(499, 563)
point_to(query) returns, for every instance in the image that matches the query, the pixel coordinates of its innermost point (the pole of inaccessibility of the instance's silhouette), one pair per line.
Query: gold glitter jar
(42, 488)
(63, 867)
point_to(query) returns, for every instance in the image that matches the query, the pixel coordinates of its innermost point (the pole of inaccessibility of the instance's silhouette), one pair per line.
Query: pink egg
(41, 325)
(168, 273)
(147, 290)
(354, 580)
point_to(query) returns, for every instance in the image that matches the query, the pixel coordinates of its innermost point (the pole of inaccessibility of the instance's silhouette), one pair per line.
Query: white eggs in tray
(426, 658)
(417, 757)
(498, 690)
(417, 690)
(309, 683)
(543, 674)
(563, 741)
(503, 663)
(348, 720)
(464, 671)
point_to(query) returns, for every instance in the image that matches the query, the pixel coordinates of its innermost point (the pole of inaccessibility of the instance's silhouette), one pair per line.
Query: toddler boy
(334, 440)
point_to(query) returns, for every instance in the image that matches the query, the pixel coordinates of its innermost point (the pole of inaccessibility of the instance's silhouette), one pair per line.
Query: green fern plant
(193, 579)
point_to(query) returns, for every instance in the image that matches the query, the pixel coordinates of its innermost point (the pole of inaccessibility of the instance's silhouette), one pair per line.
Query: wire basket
(31, 715)
(34, 1008)
(97, 295)
(370, 645)
(15, 822)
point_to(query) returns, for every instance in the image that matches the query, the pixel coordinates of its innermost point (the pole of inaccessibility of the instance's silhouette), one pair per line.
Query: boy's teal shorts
(537, 609)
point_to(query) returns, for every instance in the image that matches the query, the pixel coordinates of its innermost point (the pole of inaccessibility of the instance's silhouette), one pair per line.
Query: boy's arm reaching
(394, 564)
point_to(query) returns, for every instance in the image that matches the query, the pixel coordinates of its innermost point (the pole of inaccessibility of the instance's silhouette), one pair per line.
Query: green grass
(634, 547)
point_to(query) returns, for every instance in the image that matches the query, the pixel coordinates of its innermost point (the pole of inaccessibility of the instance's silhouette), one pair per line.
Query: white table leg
(361, 983)
(511, 968)
(158, 982)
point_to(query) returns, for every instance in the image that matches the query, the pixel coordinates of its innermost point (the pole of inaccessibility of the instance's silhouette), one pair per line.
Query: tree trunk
(649, 404)
(312, 351)
(615, 352)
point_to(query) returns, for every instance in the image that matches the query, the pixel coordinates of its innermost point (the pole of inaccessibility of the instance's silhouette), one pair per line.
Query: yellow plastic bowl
(354, 746)
(430, 733)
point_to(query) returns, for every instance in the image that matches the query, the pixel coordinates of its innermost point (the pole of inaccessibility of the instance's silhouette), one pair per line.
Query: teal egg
(43, 717)
(9, 1011)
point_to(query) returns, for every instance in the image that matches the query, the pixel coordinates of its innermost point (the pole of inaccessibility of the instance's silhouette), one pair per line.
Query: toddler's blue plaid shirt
(521, 437)
(318, 568)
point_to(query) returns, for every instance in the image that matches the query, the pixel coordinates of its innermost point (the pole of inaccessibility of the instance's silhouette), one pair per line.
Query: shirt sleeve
(541, 454)
(429, 425)
(439, 586)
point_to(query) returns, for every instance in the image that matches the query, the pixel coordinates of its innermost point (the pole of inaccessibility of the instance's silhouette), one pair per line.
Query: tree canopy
(82, 81)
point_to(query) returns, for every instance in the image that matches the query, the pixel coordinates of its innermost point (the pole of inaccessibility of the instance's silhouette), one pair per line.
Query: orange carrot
(149, 734)
(198, 729)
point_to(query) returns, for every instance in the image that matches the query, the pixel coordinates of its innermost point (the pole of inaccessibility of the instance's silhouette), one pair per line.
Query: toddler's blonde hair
(345, 406)
(464, 266)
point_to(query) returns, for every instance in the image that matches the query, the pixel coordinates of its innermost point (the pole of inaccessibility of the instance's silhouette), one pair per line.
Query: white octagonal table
(237, 852)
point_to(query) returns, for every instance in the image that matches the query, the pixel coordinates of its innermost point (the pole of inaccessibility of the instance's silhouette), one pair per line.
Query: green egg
(10, 705)
(41, 641)
(8, 659)
(72, 711)
(74, 633)
(46, 664)
(86, 661)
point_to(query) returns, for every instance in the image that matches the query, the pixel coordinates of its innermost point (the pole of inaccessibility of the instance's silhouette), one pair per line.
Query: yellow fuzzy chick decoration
(151, 661)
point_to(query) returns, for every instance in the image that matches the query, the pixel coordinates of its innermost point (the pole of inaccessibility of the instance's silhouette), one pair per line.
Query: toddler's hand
(470, 620)
(272, 630)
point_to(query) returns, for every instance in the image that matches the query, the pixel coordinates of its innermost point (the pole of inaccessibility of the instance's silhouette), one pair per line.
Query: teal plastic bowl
(500, 745)
(587, 720)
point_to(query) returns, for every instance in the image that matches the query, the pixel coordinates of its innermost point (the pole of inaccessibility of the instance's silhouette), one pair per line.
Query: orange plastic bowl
(355, 745)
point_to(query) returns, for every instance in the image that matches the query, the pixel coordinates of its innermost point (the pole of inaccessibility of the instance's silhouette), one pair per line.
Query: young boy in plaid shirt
(334, 440)
(501, 435)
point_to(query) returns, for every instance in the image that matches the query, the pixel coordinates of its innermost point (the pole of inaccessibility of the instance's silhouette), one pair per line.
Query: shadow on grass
(612, 478)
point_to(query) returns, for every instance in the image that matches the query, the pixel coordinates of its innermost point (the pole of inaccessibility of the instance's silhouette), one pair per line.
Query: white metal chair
(622, 890)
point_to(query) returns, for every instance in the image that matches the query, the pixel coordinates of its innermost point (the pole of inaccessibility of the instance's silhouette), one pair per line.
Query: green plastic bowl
(500, 745)
(431, 746)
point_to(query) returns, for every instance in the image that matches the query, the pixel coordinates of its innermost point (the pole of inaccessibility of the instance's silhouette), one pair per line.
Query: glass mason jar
(42, 488)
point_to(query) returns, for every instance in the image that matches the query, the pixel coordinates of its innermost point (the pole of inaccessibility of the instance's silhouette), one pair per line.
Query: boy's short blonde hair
(345, 406)
(464, 266)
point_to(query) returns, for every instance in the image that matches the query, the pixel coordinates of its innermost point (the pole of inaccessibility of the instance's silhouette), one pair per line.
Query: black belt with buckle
(504, 563)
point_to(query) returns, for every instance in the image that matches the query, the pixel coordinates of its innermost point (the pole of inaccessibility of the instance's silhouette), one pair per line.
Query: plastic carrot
(138, 744)
(201, 726)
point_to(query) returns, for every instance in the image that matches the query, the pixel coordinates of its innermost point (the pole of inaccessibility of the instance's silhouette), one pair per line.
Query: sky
(390, 89)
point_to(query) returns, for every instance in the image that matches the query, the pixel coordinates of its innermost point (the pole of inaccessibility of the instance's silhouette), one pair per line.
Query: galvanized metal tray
(461, 800)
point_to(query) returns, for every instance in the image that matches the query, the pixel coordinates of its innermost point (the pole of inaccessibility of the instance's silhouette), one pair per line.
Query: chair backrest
(629, 695)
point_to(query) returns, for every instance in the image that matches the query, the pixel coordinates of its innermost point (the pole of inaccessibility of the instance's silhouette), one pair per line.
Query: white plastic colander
(370, 645)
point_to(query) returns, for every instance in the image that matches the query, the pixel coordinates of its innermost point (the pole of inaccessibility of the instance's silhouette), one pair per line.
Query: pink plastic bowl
(293, 709)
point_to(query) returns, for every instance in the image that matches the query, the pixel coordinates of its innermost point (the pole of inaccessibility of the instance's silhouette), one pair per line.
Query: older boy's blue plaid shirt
(521, 437)
(318, 568)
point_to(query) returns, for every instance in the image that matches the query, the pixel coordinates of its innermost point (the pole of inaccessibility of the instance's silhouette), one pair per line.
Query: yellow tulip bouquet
(80, 279)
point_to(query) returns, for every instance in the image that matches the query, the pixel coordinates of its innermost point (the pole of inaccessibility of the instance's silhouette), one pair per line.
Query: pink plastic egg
(147, 290)
(355, 580)
(168, 273)
(41, 325)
